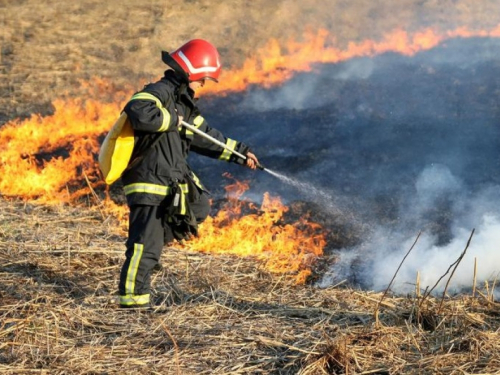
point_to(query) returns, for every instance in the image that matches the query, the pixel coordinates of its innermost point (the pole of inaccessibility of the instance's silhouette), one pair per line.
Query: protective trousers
(144, 245)
(147, 235)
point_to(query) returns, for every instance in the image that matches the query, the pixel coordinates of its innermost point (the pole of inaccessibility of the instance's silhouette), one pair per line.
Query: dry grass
(214, 314)
(48, 46)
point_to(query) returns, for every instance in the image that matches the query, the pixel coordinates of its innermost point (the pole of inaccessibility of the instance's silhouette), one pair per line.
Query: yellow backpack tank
(116, 150)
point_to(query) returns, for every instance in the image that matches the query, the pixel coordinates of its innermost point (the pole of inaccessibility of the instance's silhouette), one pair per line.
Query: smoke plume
(397, 145)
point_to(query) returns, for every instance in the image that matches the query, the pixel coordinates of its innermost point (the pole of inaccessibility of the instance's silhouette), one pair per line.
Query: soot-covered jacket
(158, 161)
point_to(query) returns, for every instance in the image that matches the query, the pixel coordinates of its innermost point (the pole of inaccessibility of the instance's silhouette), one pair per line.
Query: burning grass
(220, 314)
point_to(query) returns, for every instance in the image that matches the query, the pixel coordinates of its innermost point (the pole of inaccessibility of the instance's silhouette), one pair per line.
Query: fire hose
(216, 141)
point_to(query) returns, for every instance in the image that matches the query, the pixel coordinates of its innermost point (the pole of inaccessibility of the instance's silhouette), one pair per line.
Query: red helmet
(199, 59)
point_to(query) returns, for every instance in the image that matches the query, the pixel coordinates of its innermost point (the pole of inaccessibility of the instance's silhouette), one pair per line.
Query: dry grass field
(215, 314)
(48, 46)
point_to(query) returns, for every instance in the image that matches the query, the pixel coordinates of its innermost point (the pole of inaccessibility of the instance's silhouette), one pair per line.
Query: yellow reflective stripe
(183, 203)
(133, 268)
(166, 120)
(141, 187)
(196, 180)
(166, 115)
(147, 96)
(231, 143)
(131, 299)
(198, 121)
(184, 191)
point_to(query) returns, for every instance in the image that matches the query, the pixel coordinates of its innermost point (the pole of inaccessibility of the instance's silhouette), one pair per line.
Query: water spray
(309, 190)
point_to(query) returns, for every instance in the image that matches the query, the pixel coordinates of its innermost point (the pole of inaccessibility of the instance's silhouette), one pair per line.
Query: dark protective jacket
(159, 160)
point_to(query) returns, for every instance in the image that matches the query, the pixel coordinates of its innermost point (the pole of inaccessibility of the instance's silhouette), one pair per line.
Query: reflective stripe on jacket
(153, 113)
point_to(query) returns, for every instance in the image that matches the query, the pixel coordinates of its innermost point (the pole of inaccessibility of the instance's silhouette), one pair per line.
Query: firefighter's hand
(179, 120)
(180, 114)
(252, 161)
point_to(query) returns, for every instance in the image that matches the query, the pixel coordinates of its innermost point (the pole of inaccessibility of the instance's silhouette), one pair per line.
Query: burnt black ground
(370, 131)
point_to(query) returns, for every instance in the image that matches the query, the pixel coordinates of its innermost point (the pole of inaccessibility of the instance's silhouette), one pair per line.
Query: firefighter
(166, 199)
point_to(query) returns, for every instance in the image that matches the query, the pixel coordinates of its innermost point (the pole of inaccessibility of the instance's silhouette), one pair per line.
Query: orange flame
(74, 129)
(283, 248)
(274, 64)
(53, 159)
(46, 158)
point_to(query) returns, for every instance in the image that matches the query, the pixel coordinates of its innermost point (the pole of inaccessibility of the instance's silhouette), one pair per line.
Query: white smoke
(376, 261)
(433, 183)
(398, 145)
(301, 92)
(295, 95)
(357, 69)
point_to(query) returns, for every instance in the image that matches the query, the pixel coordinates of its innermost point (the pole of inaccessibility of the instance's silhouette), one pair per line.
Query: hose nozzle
(260, 166)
